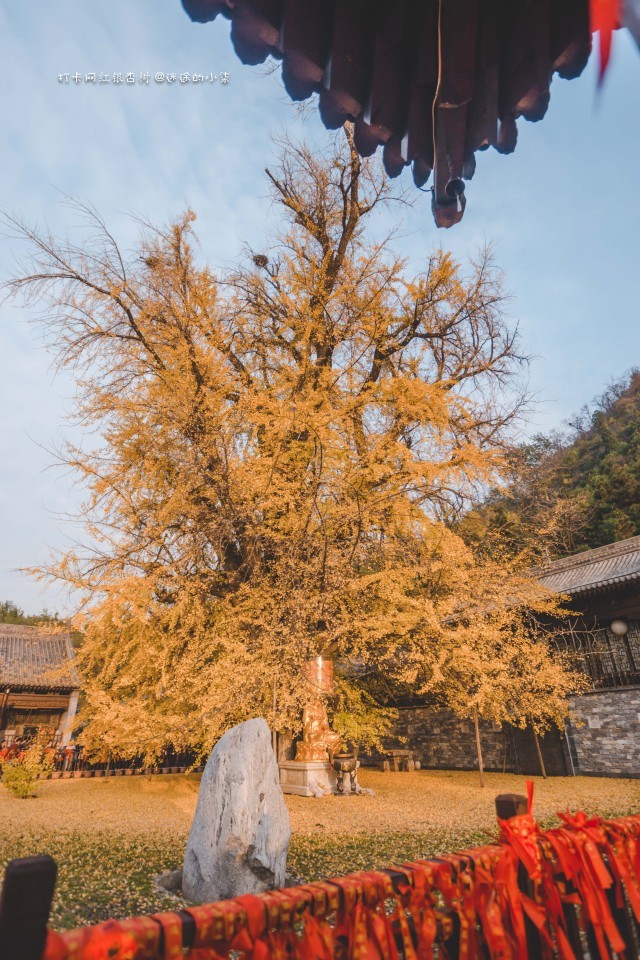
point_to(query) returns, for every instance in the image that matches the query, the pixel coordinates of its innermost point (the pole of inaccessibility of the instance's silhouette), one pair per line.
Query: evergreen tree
(11, 613)
(570, 491)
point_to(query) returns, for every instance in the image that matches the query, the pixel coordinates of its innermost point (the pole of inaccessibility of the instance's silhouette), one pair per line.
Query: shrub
(18, 779)
(19, 776)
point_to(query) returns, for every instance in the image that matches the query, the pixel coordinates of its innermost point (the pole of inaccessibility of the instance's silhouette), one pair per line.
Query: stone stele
(240, 833)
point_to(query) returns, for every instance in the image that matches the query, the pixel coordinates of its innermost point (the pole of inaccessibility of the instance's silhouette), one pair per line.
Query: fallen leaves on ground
(111, 837)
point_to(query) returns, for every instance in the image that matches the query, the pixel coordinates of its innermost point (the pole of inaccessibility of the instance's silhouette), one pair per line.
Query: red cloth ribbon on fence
(488, 902)
(317, 941)
(605, 16)
(171, 927)
(135, 939)
(577, 848)
(416, 897)
(623, 856)
(541, 903)
(530, 791)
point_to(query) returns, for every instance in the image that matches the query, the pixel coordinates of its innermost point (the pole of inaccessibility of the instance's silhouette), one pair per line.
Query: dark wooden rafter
(429, 81)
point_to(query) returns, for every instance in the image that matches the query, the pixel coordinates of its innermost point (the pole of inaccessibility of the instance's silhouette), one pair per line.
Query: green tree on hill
(575, 490)
(11, 613)
(604, 462)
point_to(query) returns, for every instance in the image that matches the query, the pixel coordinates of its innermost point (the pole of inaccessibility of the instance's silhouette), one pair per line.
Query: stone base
(307, 778)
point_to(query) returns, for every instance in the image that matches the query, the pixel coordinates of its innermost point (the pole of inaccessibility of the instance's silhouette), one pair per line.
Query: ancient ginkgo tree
(277, 452)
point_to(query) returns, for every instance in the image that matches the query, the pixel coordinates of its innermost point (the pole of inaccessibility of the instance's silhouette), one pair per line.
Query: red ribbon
(530, 790)
(495, 898)
(605, 16)
(416, 897)
(171, 935)
(134, 939)
(577, 846)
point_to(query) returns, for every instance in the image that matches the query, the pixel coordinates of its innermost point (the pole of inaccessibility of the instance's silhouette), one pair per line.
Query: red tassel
(530, 788)
(605, 17)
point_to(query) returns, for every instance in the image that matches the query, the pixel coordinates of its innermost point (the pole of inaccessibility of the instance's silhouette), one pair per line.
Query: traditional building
(602, 736)
(430, 83)
(38, 682)
(604, 585)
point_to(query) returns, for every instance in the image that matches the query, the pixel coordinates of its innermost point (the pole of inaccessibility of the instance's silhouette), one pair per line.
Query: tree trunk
(478, 745)
(541, 761)
(274, 735)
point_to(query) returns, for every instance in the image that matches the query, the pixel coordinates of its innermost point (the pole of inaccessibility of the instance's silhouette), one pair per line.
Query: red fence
(570, 892)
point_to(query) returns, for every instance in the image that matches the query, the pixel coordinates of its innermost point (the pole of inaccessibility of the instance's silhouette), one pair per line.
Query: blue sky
(562, 212)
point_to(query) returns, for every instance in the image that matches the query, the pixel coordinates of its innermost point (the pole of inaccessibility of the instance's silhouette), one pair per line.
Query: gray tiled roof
(33, 659)
(594, 570)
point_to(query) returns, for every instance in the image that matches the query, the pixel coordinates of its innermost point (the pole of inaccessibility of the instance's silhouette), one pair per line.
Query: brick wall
(604, 738)
(608, 742)
(440, 740)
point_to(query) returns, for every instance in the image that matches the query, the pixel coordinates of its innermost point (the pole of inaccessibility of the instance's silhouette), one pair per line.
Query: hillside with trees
(574, 490)
(10, 612)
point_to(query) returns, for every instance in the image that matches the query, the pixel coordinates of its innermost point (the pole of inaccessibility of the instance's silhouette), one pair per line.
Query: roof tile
(31, 658)
(594, 570)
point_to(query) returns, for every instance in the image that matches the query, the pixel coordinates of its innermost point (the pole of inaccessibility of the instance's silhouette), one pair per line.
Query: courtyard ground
(112, 836)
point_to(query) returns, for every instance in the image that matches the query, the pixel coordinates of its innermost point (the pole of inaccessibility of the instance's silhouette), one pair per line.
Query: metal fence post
(25, 904)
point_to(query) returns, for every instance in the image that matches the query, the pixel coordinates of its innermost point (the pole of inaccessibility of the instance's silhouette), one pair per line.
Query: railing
(610, 661)
(572, 892)
(71, 762)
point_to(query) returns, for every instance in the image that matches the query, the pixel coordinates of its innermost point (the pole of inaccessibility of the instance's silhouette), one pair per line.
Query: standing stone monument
(240, 833)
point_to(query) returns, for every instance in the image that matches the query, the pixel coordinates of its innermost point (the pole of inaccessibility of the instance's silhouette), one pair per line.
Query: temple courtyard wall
(607, 743)
(602, 738)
